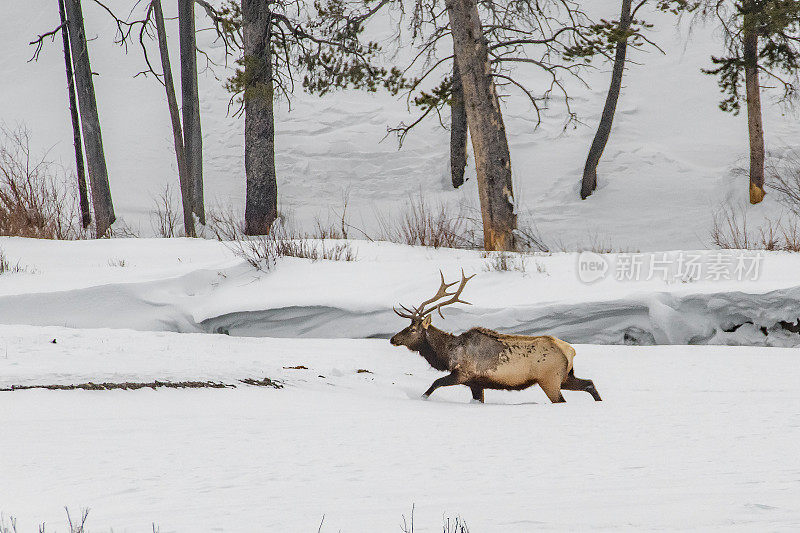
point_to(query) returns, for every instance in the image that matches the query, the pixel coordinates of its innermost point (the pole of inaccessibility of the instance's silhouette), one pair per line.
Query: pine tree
(762, 37)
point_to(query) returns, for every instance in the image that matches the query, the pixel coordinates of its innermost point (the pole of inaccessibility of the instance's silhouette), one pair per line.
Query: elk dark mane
(438, 361)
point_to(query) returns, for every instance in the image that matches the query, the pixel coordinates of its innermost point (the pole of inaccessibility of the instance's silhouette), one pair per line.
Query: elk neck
(437, 347)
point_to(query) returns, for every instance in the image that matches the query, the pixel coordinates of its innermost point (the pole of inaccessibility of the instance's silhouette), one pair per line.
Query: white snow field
(700, 421)
(668, 164)
(687, 437)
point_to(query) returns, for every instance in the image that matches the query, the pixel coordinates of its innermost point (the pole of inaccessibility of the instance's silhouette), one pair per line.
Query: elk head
(413, 337)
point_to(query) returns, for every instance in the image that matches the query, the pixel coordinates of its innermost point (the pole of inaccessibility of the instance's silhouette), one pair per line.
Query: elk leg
(573, 383)
(450, 379)
(477, 393)
(552, 390)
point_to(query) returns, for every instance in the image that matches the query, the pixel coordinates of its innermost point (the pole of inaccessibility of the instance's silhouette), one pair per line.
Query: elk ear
(426, 321)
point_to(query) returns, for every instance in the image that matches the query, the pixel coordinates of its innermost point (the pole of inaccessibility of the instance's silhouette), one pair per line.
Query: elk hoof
(424, 397)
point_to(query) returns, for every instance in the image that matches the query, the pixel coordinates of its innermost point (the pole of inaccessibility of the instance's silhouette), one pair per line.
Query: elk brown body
(482, 359)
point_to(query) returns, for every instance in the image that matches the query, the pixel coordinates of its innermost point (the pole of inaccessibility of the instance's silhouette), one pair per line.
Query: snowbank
(200, 286)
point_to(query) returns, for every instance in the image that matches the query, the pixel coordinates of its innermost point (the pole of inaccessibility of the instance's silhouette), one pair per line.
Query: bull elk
(484, 359)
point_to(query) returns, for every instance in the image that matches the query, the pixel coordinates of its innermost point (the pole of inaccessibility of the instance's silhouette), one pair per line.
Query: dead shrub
(423, 225)
(36, 199)
(529, 239)
(340, 228)
(165, 218)
(730, 230)
(121, 230)
(223, 224)
(79, 525)
(783, 176)
(262, 252)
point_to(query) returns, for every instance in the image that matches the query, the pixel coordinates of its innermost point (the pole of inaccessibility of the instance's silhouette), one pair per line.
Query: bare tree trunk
(261, 203)
(90, 120)
(754, 122)
(589, 183)
(485, 122)
(458, 130)
(83, 194)
(174, 114)
(190, 100)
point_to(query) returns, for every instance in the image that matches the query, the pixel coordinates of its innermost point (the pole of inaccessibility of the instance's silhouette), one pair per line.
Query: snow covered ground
(201, 286)
(668, 164)
(687, 437)
(690, 437)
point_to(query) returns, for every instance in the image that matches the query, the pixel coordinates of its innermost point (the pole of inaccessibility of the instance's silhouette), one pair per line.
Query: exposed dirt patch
(128, 385)
(266, 382)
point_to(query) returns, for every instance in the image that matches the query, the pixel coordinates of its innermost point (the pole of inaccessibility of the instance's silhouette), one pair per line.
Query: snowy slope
(667, 167)
(200, 286)
(694, 437)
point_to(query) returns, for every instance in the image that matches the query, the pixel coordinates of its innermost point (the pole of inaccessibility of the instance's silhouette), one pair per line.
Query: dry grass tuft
(510, 262)
(730, 230)
(6, 267)
(423, 225)
(262, 252)
(449, 525)
(504, 262)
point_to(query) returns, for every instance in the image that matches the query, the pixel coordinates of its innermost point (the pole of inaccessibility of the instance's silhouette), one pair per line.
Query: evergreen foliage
(777, 25)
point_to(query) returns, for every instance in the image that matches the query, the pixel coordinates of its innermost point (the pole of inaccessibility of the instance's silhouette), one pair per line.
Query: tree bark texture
(589, 182)
(177, 134)
(754, 121)
(190, 100)
(261, 203)
(485, 122)
(458, 130)
(83, 193)
(90, 120)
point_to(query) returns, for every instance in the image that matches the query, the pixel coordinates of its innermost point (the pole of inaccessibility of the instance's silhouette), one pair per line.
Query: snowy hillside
(668, 164)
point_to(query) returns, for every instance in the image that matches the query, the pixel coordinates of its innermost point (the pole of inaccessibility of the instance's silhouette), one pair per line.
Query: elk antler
(410, 313)
(420, 311)
(443, 290)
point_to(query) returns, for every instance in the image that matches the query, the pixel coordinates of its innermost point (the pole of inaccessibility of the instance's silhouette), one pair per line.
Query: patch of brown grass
(35, 197)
